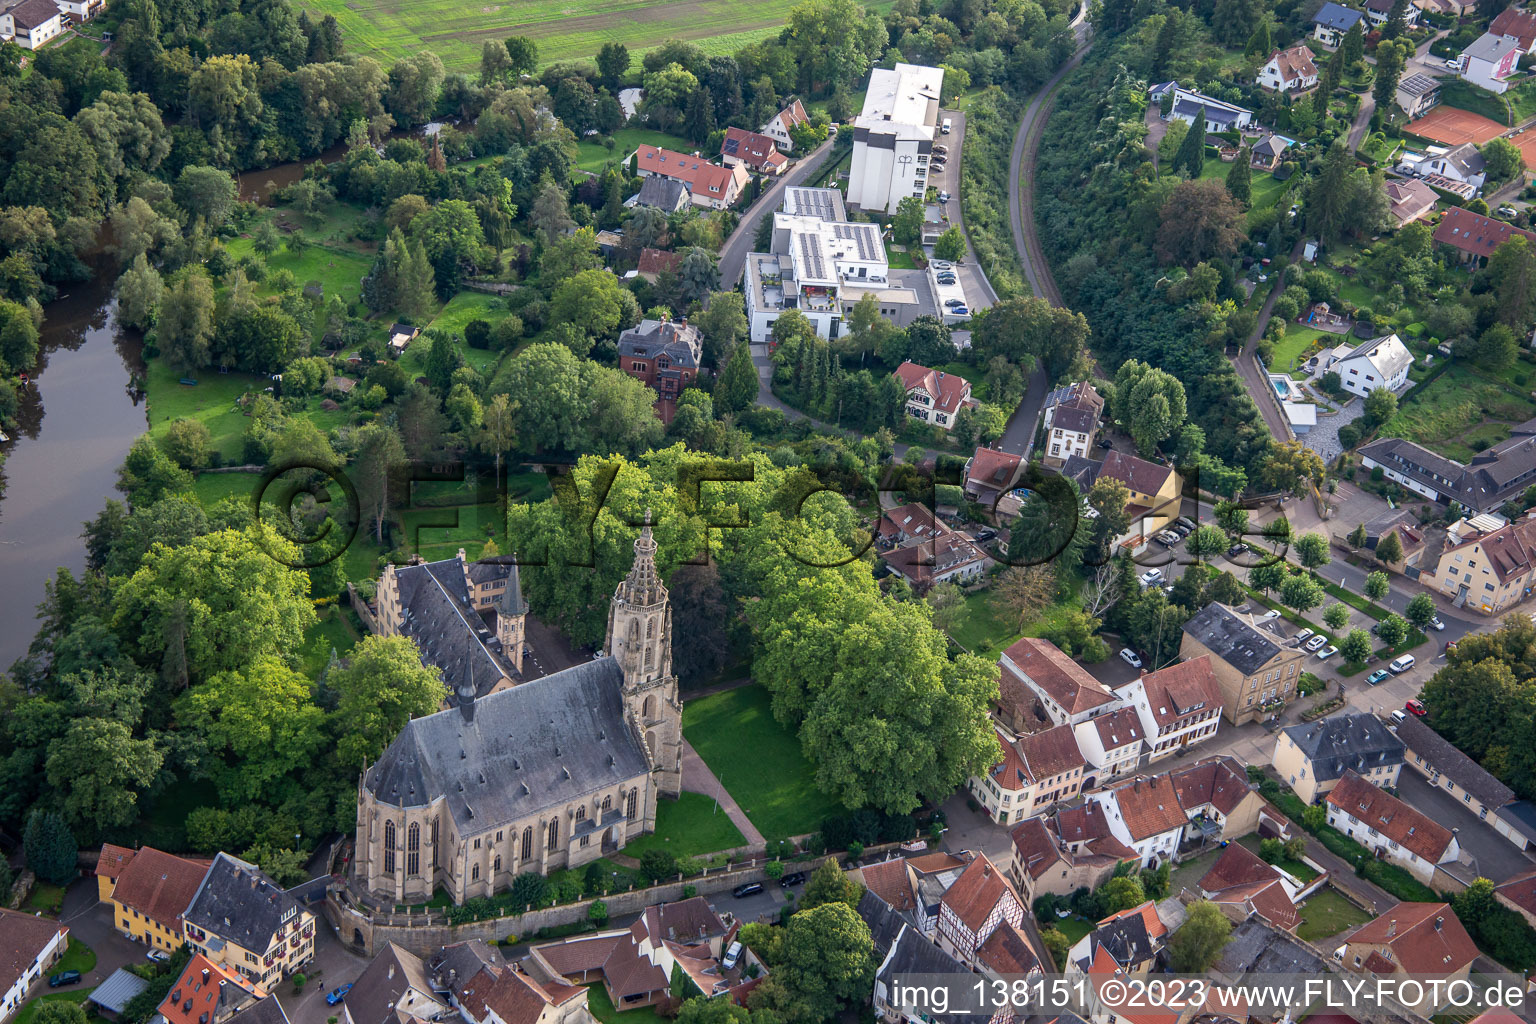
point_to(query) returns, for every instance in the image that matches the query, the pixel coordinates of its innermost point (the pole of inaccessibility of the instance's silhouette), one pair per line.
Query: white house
(1381, 363)
(1071, 421)
(31, 23)
(1463, 163)
(1110, 744)
(1389, 828)
(1378, 12)
(979, 902)
(1177, 705)
(1288, 71)
(1038, 771)
(1333, 22)
(1188, 106)
(1146, 816)
(933, 396)
(1069, 694)
(1490, 60)
(29, 946)
(779, 125)
(893, 136)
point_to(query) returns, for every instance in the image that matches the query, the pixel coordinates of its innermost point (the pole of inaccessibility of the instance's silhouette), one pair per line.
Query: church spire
(643, 584)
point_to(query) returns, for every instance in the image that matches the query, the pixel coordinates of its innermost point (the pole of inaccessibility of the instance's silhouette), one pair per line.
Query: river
(78, 420)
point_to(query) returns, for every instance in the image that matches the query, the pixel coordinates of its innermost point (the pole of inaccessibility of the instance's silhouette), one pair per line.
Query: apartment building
(1390, 828)
(893, 136)
(1255, 671)
(1313, 757)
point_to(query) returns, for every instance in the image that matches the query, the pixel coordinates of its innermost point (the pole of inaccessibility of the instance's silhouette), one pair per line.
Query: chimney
(205, 975)
(1438, 922)
(1391, 931)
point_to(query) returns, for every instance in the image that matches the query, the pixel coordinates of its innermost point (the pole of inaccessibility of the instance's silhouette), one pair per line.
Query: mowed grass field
(571, 30)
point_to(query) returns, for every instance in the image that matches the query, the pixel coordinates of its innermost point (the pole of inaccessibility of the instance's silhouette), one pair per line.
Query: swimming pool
(1282, 387)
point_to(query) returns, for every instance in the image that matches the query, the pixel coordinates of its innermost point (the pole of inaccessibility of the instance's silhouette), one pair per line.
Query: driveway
(90, 922)
(762, 907)
(334, 964)
(978, 290)
(733, 254)
(1496, 856)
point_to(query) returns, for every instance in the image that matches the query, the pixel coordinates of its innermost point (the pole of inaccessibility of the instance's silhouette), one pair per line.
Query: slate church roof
(440, 616)
(516, 752)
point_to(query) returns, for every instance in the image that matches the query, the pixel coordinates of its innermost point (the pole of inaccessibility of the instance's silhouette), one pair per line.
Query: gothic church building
(547, 774)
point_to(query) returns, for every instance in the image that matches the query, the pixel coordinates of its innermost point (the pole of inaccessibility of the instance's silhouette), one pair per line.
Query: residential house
(902, 952)
(1111, 745)
(148, 891)
(1311, 758)
(950, 557)
(1177, 705)
(1438, 760)
(824, 265)
(395, 988)
(341, 387)
(1379, 363)
(667, 194)
(1404, 525)
(1474, 236)
(1516, 23)
(1411, 199)
(1132, 938)
(1519, 895)
(30, 23)
(779, 125)
(909, 524)
(1490, 61)
(933, 396)
(1412, 940)
(1389, 828)
(487, 990)
(1332, 23)
(665, 355)
(29, 947)
(1040, 861)
(1242, 884)
(1154, 489)
(933, 874)
(709, 185)
(1268, 153)
(757, 151)
(990, 474)
(1037, 771)
(1463, 163)
(209, 993)
(1144, 814)
(1378, 11)
(635, 964)
(401, 335)
(260, 1011)
(1257, 951)
(1199, 110)
(1221, 804)
(1071, 421)
(655, 262)
(241, 920)
(1448, 8)
(1495, 476)
(1288, 71)
(980, 901)
(893, 136)
(1256, 671)
(894, 882)
(1487, 564)
(1418, 94)
(1069, 693)
(78, 12)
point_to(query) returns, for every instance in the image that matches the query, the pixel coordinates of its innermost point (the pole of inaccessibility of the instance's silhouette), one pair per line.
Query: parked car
(1378, 676)
(1182, 531)
(1398, 718)
(960, 311)
(1414, 706)
(1327, 652)
(944, 197)
(1130, 657)
(1316, 643)
(337, 994)
(941, 150)
(984, 535)
(1167, 538)
(937, 161)
(64, 978)
(793, 878)
(1436, 624)
(942, 265)
(1236, 549)
(952, 303)
(1402, 664)
(732, 955)
(1105, 442)
(1304, 634)
(159, 956)
(748, 889)
(1186, 522)
(1150, 577)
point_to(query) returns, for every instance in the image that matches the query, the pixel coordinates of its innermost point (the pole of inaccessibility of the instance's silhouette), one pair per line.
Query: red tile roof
(1519, 24)
(757, 151)
(1241, 877)
(1474, 234)
(113, 860)
(793, 114)
(1149, 919)
(1295, 64)
(206, 991)
(1380, 810)
(947, 390)
(1007, 951)
(160, 885)
(512, 995)
(1118, 728)
(1179, 691)
(932, 863)
(1064, 680)
(911, 520)
(22, 940)
(980, 888)
(1150, 807)
(890, 881)
(1141, 476)
(654, 261)
(993, 469)
(1425, 938)
(1035, 847)
(923, 561)
(1521, 891)
(1218, 781)
(1050, 753)
(701, 176)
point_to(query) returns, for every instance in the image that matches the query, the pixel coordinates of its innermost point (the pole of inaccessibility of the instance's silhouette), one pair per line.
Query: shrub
(657, 865)
(855, 850)
(690, 891)
(597, 913)
(774, 869)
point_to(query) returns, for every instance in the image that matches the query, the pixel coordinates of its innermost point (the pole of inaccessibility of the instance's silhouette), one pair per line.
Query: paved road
(978, 290)
(733, 254)
(1496, 857)
(697, 778)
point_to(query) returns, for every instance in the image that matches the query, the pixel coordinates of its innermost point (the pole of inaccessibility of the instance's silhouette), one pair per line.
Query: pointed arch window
(527, 842)
(389, 847)
(413, 849)
(554, 834)
(629, 804)
(607, 804)
(474, 873)
(650, 629)
(434, 844)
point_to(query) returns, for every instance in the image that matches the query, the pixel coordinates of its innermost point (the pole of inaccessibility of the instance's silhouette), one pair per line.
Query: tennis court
(1526, 144)
(1453, 126)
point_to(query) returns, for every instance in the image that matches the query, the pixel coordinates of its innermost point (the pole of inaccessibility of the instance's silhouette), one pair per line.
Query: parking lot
(1496, 856)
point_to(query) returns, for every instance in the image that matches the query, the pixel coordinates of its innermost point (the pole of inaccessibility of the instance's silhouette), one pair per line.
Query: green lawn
(389, 29)
(1264, 188)
(339, 271)
(981, 628)
(899, 259)
(211, 400)
(46, 898)
(1458, 92)
(211, 488)
(758, 760)
(78, 957)
(1073, 927)
(1297, 339)
(28, 1011)
(1455, 408)
(688, 827)
(602, 1008)
(430, 533)
(1293, 867)
(591, 154)
(1327, 914)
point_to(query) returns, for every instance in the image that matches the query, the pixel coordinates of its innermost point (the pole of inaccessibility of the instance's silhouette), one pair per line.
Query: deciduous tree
(382, 686)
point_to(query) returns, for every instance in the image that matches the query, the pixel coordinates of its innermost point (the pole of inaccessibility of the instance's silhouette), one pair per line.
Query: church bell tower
(640, 637)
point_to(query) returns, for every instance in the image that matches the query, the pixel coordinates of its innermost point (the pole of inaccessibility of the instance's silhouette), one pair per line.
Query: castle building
(551, 773)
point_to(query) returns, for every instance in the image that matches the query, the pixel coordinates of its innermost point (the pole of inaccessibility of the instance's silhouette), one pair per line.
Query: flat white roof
(906, 95)
(1301, 414)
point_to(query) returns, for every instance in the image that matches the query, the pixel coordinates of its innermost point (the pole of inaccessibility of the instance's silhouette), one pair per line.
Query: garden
(1327, 913)
(1462, 411)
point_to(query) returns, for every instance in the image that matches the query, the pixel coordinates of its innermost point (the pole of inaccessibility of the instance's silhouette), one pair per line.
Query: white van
(1401, 665)
(945, 127)
(731, 957)
(1398, 717)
